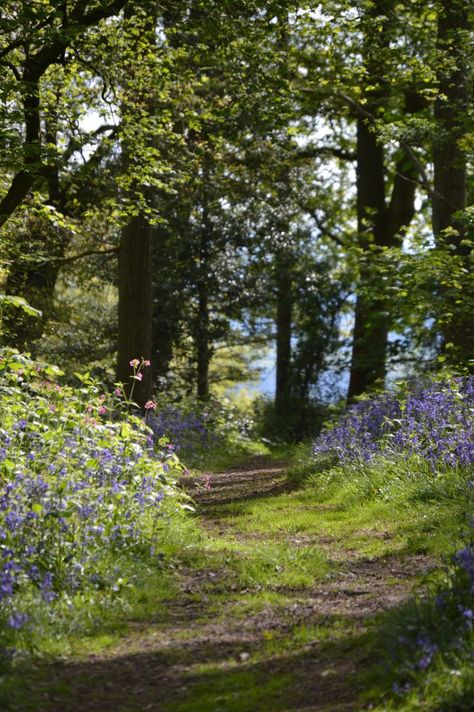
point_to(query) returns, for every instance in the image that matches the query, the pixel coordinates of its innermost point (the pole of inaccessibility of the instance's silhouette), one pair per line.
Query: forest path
(272, 618)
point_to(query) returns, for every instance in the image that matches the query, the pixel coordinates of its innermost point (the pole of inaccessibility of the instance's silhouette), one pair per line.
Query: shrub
(434, 422)
(199, 431)
(78, 484)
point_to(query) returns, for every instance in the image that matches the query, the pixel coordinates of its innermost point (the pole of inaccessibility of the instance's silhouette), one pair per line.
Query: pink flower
(147, 362)
(118, 392)
(150, 405)
(102, 410)
(138, 376)
(134, 362)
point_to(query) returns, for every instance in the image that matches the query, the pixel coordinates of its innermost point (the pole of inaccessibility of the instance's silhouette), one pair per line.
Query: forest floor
(274, 610)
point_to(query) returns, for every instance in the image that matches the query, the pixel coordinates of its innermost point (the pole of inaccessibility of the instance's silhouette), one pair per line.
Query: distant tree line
(184, 176)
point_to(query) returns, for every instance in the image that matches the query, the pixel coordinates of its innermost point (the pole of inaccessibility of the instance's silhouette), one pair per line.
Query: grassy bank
(354, 582)
(293, 598)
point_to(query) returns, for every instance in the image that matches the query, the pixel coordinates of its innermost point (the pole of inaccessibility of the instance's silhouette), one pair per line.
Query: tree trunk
(135, 306)
(203, 353)
(32, 279)
(284, 314)
(164, 312)
(135, 282)
(368, 363)
(450, 169)
(450, 175)
(378, 222)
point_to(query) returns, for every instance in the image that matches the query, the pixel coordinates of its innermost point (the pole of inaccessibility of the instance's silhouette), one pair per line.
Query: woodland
(236, 355)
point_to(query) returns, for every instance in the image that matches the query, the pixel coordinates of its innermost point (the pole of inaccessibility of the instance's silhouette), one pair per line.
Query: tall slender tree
(381, 218)
(449, 197)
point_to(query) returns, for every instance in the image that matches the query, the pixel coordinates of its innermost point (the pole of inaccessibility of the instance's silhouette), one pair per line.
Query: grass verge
(277, 601)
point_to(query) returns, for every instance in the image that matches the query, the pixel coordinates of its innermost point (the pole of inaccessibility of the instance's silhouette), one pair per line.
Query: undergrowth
(90, 513)
(266, 556)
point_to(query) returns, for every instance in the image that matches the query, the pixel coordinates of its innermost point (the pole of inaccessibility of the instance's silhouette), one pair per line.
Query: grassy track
(275, 601)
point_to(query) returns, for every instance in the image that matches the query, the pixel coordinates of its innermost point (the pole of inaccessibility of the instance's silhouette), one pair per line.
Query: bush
(303, 419)
(434, 422)
(201, 432)
(79, 485)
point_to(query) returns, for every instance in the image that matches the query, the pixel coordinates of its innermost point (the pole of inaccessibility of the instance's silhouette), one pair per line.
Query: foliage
(413, 451)
(7, 300)
(205, 435)
(433, 422)
(304, 418)
(81, 492)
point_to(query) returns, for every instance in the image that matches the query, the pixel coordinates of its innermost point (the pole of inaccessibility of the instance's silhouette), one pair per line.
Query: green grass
(446, 685)
(272, 544)
(95, 621)
(235, 690)
(266, 556)
(224, 457)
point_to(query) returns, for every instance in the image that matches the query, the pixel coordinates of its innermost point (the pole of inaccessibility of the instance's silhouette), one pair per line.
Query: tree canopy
(184, 177)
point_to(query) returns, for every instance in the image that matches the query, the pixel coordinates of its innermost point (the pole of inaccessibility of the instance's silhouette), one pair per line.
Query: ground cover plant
(88, 500)
(209, 435)
(292, 589)
(433, 422)
(420, 441)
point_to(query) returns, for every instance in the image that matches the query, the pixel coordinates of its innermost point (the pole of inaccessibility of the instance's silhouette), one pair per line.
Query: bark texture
(450, 171)
(202, 336)
(135, 306)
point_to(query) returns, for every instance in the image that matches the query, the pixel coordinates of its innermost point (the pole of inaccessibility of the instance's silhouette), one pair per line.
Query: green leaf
(19, 303)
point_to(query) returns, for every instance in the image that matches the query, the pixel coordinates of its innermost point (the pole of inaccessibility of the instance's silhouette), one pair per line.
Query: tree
(449, 197)
(45, 92)
(36, 37)
(135, 309)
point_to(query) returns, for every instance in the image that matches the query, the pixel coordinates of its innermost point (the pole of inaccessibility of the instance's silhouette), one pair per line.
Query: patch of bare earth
(255, 478)
(159, 662)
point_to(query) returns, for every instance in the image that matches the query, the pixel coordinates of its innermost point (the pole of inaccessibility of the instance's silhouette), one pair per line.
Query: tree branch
(88, 253)
(12, 68)
(333, 151)
(34, 67)
(76, 145)
(21, 40)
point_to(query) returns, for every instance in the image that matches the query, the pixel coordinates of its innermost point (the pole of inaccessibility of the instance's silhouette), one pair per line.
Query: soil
(164, 660)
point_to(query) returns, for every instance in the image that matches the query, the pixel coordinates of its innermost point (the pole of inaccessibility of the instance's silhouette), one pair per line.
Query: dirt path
(255, 478)
(224, 645)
